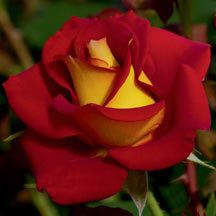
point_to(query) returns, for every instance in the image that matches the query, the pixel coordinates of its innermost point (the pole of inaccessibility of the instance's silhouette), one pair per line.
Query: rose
(109, 95)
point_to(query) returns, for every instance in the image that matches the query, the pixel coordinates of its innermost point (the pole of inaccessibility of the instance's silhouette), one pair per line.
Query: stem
(14, 37)
(190, 182)
(153, 205)
(185, 13)
(40, 200)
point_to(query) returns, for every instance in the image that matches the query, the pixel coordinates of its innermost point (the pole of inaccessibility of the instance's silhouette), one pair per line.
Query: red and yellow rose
(109, 95)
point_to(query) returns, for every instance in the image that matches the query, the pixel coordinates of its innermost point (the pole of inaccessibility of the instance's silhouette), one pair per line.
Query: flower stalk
(190, 182)
(153, 205)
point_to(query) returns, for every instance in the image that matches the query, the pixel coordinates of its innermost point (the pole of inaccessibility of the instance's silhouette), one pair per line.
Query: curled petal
(57, 47)
(92, 84)
(100, 125)
(140, 40)
(127, 115)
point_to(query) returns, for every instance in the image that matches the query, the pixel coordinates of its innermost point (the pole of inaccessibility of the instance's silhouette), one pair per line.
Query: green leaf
(211, 206)
(39, 29)
(137, 186)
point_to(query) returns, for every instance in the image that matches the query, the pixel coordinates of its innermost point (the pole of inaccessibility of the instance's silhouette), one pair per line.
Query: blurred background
(24, 27)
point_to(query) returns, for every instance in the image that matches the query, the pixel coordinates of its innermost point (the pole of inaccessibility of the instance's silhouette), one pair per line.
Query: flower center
(100, 54)
(94, 82)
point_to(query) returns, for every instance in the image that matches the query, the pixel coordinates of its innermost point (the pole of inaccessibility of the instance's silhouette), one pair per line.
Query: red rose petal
(57, 47)
(156, 154)
(119, 36)
(141, 29)
(168, 51)
(191, 104)
(30, 94)
(68, 176)
(95, 30)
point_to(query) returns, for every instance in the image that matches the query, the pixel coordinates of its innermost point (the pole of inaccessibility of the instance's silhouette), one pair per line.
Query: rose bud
(109, 95)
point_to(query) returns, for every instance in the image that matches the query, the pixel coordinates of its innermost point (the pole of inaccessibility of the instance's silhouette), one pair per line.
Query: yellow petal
(99, 49)
(143, 78)
(92, 84)
(110, 133)
(130, 95)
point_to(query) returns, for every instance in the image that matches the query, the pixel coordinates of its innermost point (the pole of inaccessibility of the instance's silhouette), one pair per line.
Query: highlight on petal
(99, 49)
(92, 84)
(130, 95)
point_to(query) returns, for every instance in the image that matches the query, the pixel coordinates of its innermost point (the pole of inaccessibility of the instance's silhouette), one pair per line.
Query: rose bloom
(110, 95)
